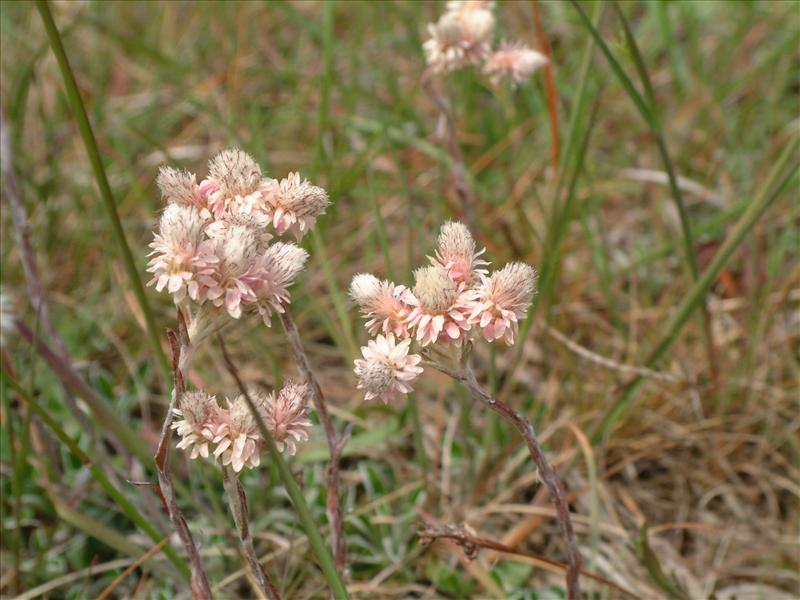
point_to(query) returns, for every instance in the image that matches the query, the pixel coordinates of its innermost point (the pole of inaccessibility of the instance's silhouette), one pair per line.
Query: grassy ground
(683, 484)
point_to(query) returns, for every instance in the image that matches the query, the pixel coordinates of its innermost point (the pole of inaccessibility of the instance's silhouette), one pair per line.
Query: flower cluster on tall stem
(214, 253)
(212, 246)
(453, 301)
(463, 37)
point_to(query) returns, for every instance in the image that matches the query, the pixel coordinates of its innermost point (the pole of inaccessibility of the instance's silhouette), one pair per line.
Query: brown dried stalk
(470, 543)
(549, 85)
(546, 472)
(181, 355)
(458, 167)
(238, 502)
(335, 444)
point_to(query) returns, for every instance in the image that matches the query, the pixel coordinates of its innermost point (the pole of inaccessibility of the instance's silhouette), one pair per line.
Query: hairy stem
(458, 167)
(238, 503)
(181, 357)
(335, 444)
(326, 563)
(547, 474)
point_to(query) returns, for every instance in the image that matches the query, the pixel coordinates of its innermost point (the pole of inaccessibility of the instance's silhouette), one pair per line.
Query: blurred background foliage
(689, 489)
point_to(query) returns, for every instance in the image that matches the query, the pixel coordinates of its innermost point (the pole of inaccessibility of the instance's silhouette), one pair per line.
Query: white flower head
(238, 439)
(199, 417)
(385, 305)
(513, 62)
(457, 255)
(293, 204)
(460, 38)
(386, 369)
(502, 300)
(286, 416)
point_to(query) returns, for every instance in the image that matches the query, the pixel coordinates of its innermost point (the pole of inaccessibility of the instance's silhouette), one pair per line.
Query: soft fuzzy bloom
(181, 256)
(384, 304)
(387, 368)
(179, 187)
(238, 440)
(456, 253)
(8, 307)
(281, 265)
(439, 314)
(292, 204)
(239, 271)
(501, 300)
(199, 417)
(233, 183)
(460, 38)
(286, 416)
(514, 62)
(459, 5)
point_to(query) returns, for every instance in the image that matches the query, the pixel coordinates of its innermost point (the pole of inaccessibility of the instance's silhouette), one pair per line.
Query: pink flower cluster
(453, 299)
(462, 37)
(213, 241)
(231, 433)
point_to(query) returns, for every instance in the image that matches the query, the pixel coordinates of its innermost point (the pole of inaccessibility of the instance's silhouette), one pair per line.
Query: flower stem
(338, 589)
(238, 502)
(181, 356)
(71, 89)
(335, 443)
(547, 474)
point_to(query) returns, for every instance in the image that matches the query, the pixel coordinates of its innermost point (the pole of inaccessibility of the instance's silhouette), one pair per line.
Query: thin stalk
(549, 85)
(71, 89)
(181, 357)
(648, 110)
(116, 495)
(546, 472)
(675, 190)
(238, 503)
(458, 168)
(324, 557)
(335, 444)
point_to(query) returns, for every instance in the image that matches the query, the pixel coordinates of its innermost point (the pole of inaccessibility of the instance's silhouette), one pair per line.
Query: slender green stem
(117, 496)
(71, 89)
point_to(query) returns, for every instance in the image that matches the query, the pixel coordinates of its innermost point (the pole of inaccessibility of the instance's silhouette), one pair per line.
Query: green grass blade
(644, 109)
(97, 473)
(71, 89)
(768, 193)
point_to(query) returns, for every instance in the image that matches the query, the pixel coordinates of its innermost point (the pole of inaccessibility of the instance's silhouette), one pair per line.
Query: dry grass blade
(106, 593)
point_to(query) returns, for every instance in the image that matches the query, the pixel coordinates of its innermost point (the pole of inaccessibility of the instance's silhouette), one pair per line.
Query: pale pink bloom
(8, 308)
(500, 301)
(459, 38)
(233, 183)
(286, 416)
(387, 368)
(199, 418)
(238, 439)
(239, 271)
(439, 313)
(179, 187)
(463, 5)
(281, 264)
(514, 62)
(292, 204)
(456, 253)
(384, 304)
(181, 257)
